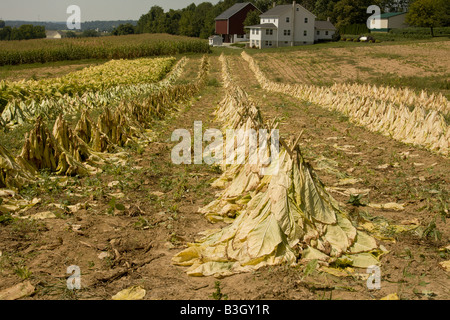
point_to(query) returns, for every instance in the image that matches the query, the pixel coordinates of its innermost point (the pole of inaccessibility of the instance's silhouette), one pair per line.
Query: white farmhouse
(324, 30)
(288, 25)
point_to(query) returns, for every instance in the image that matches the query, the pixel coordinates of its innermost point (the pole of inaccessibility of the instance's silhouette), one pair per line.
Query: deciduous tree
(427, 14)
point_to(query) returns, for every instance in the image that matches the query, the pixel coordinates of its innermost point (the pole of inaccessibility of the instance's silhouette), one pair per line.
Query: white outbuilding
(215, 40)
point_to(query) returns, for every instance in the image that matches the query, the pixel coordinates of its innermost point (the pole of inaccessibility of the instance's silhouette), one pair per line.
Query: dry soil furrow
(385, 171)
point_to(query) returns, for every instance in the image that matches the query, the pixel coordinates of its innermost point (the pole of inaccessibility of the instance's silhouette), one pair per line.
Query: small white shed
(215, 41)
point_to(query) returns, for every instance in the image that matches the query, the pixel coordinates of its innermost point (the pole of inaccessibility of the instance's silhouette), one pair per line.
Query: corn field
(377, 109)
(114, 47)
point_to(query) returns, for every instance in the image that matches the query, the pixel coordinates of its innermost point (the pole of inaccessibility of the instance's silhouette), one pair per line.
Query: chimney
(328, 18)
(274, 4)
(293, 4)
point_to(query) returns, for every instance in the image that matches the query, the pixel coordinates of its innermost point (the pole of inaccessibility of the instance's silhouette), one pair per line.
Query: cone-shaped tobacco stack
(12, 174)
(291, 217)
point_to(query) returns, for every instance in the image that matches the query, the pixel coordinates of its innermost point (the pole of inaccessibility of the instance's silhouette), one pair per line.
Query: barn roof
(232, 10)
(388, 15)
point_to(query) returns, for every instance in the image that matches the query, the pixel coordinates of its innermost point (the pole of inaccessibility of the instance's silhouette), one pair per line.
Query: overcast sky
(55, 10)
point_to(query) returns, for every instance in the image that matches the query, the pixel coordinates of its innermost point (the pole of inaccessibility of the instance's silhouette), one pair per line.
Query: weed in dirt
(165, 183)
(355, 200)
(408, 254)
(48, 184)
(218, 295)
(142, 223)
(431, 231)
(23, 272)
(69, 294)
(113, 205)
(26, 229)
(310, 268)
(323, 295)
(6, 218)
(174, 239)
(406, 273)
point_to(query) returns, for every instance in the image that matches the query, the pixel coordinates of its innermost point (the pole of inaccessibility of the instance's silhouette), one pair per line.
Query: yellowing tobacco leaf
(132, 293)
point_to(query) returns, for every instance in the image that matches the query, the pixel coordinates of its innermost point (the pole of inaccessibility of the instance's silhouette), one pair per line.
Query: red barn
(230, 23)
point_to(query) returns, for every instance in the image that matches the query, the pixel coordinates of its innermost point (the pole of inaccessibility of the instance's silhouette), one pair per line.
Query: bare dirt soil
(134, 219)
(364, 64)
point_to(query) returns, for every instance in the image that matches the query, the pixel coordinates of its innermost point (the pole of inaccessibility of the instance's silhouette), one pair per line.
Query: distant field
(114, 47)
(419, 65)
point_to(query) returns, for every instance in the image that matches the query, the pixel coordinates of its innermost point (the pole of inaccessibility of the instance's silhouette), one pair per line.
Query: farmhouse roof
(388, 15)
(324, 25)
(227, 14)
(263, 26)
(276, 11)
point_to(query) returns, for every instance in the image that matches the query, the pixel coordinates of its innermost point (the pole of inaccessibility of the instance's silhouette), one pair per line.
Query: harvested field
(124, 224)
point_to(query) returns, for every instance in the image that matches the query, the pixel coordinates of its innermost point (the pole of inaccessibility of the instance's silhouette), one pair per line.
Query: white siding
(301, 26)
(383, 23)
(323, 34)
(291, 28)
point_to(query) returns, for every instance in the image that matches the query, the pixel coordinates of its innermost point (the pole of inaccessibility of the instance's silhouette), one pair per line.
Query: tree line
(198, 20)
(24, 32)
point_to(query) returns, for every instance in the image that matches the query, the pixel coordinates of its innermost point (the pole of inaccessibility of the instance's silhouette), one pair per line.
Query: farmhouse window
(269, 32)
(326, 33)
(306, 20)
(287, 19)
(305, 33)
(318, 32)
(287, 32)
